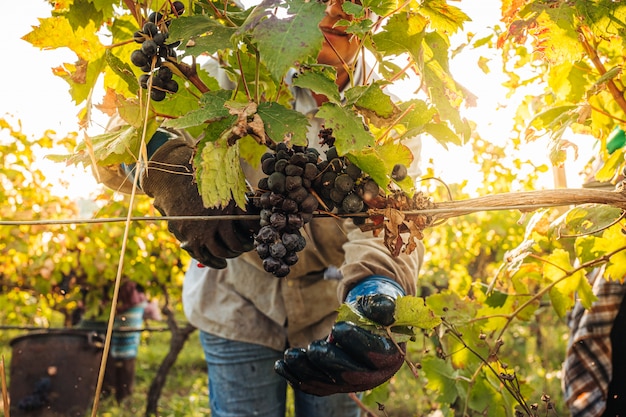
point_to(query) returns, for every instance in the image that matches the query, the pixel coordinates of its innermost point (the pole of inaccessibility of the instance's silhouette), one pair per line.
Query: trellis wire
(122, 329)
(252, 216)
(526, 201)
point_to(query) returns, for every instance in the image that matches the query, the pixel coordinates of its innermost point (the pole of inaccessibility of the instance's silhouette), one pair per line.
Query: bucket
(54, 373)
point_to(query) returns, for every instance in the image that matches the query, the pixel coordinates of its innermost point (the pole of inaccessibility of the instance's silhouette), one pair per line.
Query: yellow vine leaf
(56, 32)
(613, 240)
(563, 293)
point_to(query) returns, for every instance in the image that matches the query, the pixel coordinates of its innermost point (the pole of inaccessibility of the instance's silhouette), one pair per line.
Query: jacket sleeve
(366, 255)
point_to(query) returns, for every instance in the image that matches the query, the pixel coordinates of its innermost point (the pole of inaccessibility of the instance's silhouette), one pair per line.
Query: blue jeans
(242, 383)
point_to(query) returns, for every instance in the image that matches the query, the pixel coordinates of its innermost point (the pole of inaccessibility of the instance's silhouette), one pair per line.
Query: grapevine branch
(363, 407)
(604, 258)
(529, 200)
(523, 201)
(515, 393)
(566, 274)
(607, 114)
(595, 59)
(403, 351)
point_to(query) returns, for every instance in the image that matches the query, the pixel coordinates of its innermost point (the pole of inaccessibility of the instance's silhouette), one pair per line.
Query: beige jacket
(245, 303)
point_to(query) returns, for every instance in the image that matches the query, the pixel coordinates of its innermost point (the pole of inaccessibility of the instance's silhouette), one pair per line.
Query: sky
(29, 90)
(32, 94)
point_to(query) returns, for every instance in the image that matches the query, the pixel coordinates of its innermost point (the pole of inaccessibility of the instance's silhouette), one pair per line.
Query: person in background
(260, 333)
(132, 309)
(594, 370)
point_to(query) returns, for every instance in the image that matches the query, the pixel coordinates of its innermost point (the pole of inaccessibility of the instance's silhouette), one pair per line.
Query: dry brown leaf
(109, 103)
(395, 223)
(248, 123)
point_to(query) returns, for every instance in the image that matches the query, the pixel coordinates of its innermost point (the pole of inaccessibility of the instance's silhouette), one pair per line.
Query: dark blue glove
(350, 359)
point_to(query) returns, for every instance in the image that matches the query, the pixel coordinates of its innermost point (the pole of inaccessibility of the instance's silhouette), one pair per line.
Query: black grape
(139, 59)
(178, 8)
(153, 52)
(343, 185)
(286, 206)
(399, 172)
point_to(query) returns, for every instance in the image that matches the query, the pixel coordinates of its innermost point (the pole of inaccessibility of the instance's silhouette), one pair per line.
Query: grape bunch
(297, 181)
(343, 186)
(286, 205)
(154, 51)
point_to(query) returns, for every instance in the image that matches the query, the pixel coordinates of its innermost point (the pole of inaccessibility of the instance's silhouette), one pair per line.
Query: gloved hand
(170, 180)
(350, 359)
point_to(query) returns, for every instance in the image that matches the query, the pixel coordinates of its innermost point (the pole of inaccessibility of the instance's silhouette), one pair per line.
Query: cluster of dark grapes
(154, 51)
(286, 205)
(298, 180)
(38, 398)
(342, 185)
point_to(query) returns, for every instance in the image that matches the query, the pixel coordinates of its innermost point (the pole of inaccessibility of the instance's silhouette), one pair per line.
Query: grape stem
(114, 45)
(515, 393)
(135, 11)
(410, 364)
(221, 14)
(363, 407)
(409, 109)
(243, 78)
(189, 72)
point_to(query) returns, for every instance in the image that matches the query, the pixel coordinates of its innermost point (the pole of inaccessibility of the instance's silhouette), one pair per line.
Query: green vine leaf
(454, 308)
(442, 378)
(348, 129)
(373, 102)
(212, 108)
(416, 120)
(610, 167)
(413, 312)
(281, 123)
(559, 40)
(219, 174)
(116, 147)
(443, 134)
(398, 333)
(586, 219)
(379, 161)
(553, 118)
(443, 17)
(320, 79)
(287, 41)
(612, 240)
(123, 70)
(83, 41)
(486, 398)
(403, 33)
(200, 34)
(568, 80)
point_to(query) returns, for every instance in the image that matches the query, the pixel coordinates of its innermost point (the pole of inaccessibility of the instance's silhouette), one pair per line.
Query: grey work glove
(170, 180)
